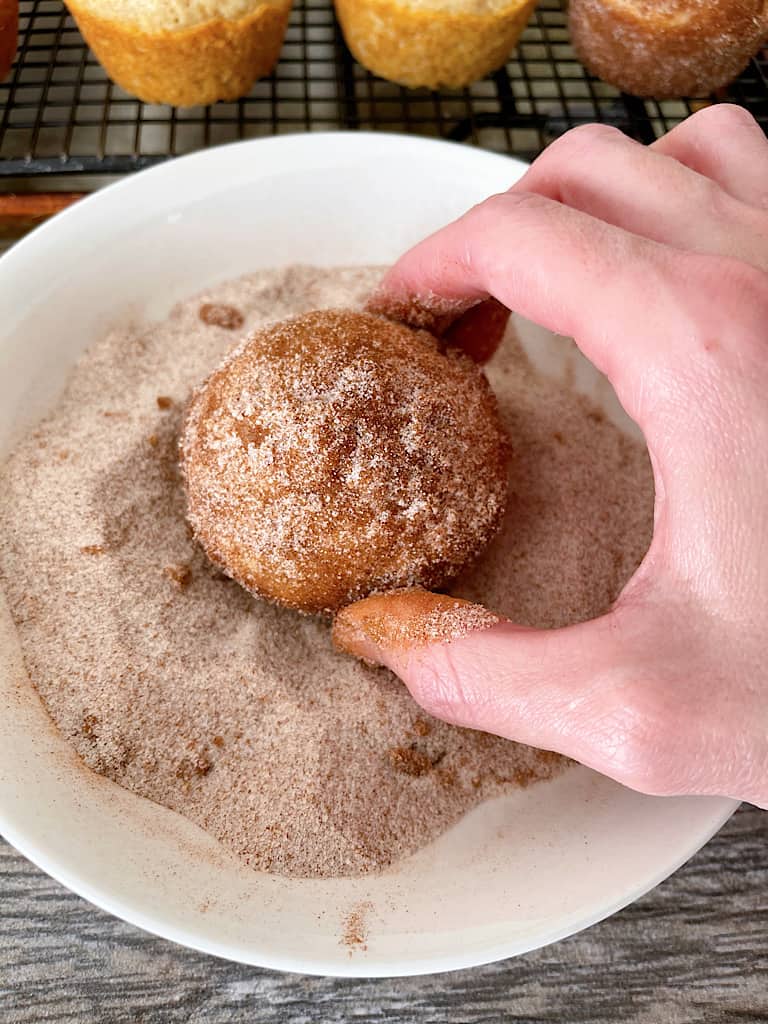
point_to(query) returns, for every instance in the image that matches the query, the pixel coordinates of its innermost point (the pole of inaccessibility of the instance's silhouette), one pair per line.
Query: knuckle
(584, 137)
(725, 116)
(750, 279)
(524, 200)
(491, 211)
(493, 205)
(725, 295)
(711, 198)
(744, 288)
(574, 151)
(571, 164)
(638, 742)
(438, 685)
(507, 201)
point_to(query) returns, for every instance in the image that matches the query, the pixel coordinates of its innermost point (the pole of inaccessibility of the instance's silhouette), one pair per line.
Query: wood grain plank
(20, 213)
(694, 951)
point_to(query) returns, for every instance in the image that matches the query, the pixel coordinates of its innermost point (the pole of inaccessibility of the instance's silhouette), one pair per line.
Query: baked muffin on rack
(433, 43)
(184, 52)
(667, 48)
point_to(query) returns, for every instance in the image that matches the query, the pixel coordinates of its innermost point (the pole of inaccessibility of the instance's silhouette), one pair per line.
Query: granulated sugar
(170, 679)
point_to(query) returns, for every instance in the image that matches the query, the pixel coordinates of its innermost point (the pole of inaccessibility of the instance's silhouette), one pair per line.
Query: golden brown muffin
(184, 52)
(338, 453)
(667, 48)
(433, 43)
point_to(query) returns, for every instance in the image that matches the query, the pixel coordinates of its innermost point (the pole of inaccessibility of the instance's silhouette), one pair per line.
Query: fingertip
(475, 326)
(386, 629)
(350, 636)
(423, 310)
(479, 331)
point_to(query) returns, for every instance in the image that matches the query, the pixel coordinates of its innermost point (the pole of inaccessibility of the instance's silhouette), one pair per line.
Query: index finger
(633, 306)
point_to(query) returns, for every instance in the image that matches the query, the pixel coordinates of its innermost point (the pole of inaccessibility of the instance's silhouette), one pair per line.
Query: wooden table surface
(694, 951)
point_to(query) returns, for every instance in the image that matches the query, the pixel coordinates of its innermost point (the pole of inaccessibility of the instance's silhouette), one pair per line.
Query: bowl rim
(371, 968)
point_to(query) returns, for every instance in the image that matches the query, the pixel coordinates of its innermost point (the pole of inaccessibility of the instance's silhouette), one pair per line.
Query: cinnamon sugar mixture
(170, 679)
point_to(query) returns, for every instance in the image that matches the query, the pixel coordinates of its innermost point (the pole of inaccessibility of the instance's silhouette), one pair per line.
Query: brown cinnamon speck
(355, 925)
(409, 761)
(193, 767)
(179, 574)
(90, 726)
(218, 315)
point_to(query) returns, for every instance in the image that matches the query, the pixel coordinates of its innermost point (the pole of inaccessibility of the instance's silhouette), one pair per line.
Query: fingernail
(379, 629)
(427, 312)
(479, 331)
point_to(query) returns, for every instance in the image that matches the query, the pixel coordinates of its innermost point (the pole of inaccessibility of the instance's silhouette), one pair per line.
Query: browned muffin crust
(218, 59)
(425, 45)
(667, 48)
(337, 454)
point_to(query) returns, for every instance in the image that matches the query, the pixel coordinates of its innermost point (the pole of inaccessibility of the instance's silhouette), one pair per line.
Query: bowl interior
(516, 872)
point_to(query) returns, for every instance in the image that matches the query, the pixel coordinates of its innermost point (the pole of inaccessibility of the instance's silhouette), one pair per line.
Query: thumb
(567, 690)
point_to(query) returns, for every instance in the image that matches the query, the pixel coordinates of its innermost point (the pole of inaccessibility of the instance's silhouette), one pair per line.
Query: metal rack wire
(60, 114)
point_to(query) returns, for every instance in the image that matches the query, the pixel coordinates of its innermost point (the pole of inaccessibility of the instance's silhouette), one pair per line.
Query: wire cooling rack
(60, 114)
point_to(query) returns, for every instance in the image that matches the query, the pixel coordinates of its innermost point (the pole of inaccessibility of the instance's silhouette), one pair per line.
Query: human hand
(655, 260)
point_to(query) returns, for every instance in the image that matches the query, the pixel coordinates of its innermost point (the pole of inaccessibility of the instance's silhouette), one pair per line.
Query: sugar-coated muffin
(338, 454)
(667, 48)
(433, 43)
(184, 52)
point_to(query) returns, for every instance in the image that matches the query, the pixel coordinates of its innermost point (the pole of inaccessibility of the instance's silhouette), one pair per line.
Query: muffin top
(338, 454)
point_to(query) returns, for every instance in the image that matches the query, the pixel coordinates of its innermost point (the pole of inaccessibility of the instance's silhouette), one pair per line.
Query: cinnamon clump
(355, 926)
(93, 549)
(410, 761)
(179, 574)
(219, 315)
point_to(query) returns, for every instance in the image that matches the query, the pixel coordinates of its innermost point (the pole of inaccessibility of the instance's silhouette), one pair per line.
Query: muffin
(184, 52)
(433, 43)
(338, 454)
(667, 48)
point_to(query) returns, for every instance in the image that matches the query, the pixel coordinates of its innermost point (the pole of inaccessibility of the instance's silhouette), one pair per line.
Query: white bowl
(515, 873)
